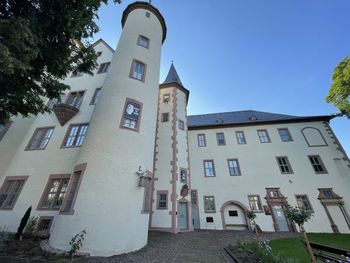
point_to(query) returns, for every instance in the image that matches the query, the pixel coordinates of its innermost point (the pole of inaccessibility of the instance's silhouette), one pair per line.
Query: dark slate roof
(246, 117)
(172, 77)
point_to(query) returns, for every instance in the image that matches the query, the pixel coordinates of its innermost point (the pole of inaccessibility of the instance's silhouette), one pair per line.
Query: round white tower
(111, 205)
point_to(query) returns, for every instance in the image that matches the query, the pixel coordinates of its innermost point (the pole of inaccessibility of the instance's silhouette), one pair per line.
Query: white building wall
(40, 164)
(260, 170)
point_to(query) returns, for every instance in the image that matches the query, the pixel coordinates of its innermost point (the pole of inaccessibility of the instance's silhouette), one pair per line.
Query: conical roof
(172, 76)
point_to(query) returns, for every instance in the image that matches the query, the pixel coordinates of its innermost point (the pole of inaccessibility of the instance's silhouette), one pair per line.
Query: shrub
(31, 225)
(4, 236)
(76, 243)
(256, 252)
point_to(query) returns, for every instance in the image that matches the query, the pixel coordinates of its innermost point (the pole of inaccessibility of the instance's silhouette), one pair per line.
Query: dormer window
(253, 118)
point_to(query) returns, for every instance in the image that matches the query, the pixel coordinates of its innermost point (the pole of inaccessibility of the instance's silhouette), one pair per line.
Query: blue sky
(271, 55)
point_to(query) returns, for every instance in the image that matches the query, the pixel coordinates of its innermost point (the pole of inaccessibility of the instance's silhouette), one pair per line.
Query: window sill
(69, 147)
(210, 212)
(47, 209)
(39, 149)
(141, 80)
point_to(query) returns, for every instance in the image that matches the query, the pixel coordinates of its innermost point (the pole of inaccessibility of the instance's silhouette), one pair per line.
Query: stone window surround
(145, 38)
(47, 189)
(307, 142)
(238, 167)
(121, 126)
(217, 138)
(181, 125)
(66, 136)
(6, 128)
(205, 174)
(204, 140)
(13, 178)
(267, 135)
(67, 96)
(288, 164)
(260, 203)
(49, 227)
(99, 71)
(93, 99)
(320, 163)
(166, 192)
(31, 139)
(196, 199)
(132, 69)
(245, 141)
(78, 168)
(289, 134)
(209, 211)
(308, 200)
(165, 117)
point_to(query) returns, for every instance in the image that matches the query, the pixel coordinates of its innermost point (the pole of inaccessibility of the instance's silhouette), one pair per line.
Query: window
(40, 138)
(166, 98)
(255, 203)
(148, 14)
(233, 167)
(220, 138)
(327, 193)
(317, 164)
(209, 170)
(77, 74)
(194, 198)
(181, 125)
(209, 204)
(273, 192)
(10, 191)
(75, 98)
(143, 41)
(165, 117)
(103, 67)
(162, 199)
(263, 136)
(138, 70)
(183, 175)
(304, 203)
(285, 135)
(96, 96)
(4, 128)
(54, 192)
(44, 224)
(240, 137)
(284, 165)
(99, 53)
(75, 135)
(233, 213)
(72, 190)
(132, 115)
(201, 140)
(209, 219)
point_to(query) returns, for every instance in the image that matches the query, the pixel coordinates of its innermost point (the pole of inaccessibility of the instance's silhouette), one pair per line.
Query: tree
(40, 42)
(339, 93)
(300, 217)
(23, 223)
(251, 216)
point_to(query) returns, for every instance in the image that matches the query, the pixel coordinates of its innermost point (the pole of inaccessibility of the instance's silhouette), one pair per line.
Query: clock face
(130, 109)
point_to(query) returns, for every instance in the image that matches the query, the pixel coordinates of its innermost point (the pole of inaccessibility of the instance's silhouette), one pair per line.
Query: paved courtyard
(198, 246)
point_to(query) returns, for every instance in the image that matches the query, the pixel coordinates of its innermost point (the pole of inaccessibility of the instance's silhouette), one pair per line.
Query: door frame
(240, 205)
(279, 200)
(189, 215)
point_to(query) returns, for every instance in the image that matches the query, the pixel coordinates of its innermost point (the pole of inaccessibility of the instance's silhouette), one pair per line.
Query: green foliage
(339, 93)
(76, 243)
(255, 252)
(4, 236)
(251, 215)
(41, 42)
(31, 225)
(23, 223)
(297, 215)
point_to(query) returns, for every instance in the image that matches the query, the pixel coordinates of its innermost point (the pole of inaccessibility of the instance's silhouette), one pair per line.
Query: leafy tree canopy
(40, 42)
(339, 93)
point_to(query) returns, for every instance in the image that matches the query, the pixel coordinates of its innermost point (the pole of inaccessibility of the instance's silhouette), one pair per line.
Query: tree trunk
(308, 245)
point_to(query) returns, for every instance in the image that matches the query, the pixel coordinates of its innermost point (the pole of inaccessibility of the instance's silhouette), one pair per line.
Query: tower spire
(172, 76)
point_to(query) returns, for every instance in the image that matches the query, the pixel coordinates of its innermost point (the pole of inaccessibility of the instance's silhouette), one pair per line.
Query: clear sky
(268, 55)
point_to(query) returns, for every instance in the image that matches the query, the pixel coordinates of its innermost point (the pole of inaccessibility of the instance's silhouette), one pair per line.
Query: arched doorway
(234, 217)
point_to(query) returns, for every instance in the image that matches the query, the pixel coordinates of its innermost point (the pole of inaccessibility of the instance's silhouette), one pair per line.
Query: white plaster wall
(164, 156)
(40, 164)
(259, 170)
(109, 202)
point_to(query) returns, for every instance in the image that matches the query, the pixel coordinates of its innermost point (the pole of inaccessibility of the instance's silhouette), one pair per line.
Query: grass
(292, 247)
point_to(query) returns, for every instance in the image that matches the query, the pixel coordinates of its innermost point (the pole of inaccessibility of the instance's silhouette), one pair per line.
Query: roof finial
(172, 62)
